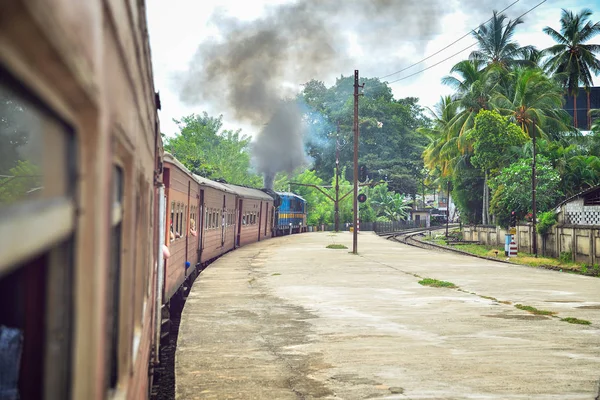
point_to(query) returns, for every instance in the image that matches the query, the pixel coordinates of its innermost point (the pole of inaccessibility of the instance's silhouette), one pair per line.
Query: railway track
(409, 237)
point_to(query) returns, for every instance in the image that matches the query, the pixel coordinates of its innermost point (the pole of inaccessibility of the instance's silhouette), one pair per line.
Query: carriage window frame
(50, 223)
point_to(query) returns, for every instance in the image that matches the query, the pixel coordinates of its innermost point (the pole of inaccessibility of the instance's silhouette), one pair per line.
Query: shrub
(565, 257)
(546, 222)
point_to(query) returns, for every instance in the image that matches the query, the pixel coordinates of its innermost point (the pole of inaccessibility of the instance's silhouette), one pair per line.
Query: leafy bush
(565, 257)
(512, 189)
(546, 222)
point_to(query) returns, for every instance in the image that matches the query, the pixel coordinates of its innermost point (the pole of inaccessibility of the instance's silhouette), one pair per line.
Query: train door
(186, 228)
(239, 227)
(201, 225)
(259, 220)
(266, 216)
(223, 223)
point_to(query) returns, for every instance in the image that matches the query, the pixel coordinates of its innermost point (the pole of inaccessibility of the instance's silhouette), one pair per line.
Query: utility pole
(355, 200)
(533, 190)
(447, 208)
(336, 205)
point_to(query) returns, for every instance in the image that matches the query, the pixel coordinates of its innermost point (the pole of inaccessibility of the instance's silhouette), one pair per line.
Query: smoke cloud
(253, 66)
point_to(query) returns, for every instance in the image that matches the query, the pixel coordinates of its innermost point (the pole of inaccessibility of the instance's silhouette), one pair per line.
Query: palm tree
(571, 59)
(440, 152)
(496, 47)
(474, 86)
(533, 101)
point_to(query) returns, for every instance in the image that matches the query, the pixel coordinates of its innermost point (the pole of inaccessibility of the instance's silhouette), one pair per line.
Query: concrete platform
(288, 318)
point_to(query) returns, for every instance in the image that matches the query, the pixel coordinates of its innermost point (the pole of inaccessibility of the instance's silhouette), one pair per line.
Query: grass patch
(479, 250)
(276, 274)
(572, 320)
(336, 246)
(489, 298)
(534, 310)
(436, 283)
(523, 258)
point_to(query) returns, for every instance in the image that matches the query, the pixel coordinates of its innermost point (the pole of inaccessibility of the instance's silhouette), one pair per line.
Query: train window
(36, 157)
(115, 278)
(172, 227)
(37, 164)
(180, 216)
(184, 227)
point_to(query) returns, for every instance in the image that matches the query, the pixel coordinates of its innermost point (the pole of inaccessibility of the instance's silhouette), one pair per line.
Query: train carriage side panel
(88, 97)
(256, 206)
(218, 228)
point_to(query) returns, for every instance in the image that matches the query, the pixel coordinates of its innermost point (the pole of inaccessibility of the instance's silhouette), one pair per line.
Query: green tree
(512, 189)
(475, 86)
(388, 206)
(389, 144)
(492, 137)
(208, 151)
(572, 59)
(496, 47)
(533, 101)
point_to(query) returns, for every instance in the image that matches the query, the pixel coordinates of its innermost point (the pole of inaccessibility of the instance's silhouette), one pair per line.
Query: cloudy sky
(236, 57)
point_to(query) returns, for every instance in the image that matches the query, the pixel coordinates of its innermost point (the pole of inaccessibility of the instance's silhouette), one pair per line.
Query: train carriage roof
(168, 157)
(213, 184)
(199, 179)
(249, 193)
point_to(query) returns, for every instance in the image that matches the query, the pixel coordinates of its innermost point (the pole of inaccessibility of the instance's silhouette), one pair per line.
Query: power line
(451, 44)
(468, 47)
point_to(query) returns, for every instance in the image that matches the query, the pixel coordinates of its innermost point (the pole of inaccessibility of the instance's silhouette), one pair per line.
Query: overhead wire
(455, 54)
(451, 44)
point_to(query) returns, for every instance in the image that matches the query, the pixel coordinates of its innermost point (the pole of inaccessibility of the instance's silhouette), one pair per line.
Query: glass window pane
(34, 148)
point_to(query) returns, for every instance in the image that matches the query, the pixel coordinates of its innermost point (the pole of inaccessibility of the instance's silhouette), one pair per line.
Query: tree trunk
(575, 111)
(589, 117)
(484, 211)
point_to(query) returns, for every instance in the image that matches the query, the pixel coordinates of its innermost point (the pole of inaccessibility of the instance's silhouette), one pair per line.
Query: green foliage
(546, 222)
(493, 136)
(566, 257)
(437, 283)
(512, 189)
(22, 179)
(390, 206)
(390, 146)
(207, 151)
(577, 321)
(336, 246)
(534, 310)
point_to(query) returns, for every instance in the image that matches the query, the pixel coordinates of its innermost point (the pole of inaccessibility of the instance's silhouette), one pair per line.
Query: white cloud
(177, 28)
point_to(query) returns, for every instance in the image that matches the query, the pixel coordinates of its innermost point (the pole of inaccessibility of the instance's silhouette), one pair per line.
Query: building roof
(580, 194)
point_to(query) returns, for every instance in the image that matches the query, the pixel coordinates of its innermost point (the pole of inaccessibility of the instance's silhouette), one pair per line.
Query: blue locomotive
(290, 216)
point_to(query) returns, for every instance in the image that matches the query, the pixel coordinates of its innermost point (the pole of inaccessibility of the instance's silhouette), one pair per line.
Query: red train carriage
(253, 216)
(182, 199)
(218, 225)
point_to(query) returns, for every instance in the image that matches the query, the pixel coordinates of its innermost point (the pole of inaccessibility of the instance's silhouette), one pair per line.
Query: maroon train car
(254, 215)
(181, 227)
(218, 219)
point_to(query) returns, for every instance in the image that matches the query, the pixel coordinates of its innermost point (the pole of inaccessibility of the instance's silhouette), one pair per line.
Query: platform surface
(287, 318)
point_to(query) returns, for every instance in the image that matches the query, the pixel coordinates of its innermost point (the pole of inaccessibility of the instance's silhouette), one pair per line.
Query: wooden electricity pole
(533, 192)
(355, 200)
(336, 206)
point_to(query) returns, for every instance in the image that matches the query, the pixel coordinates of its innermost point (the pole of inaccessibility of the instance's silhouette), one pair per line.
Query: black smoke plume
(254, 65)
